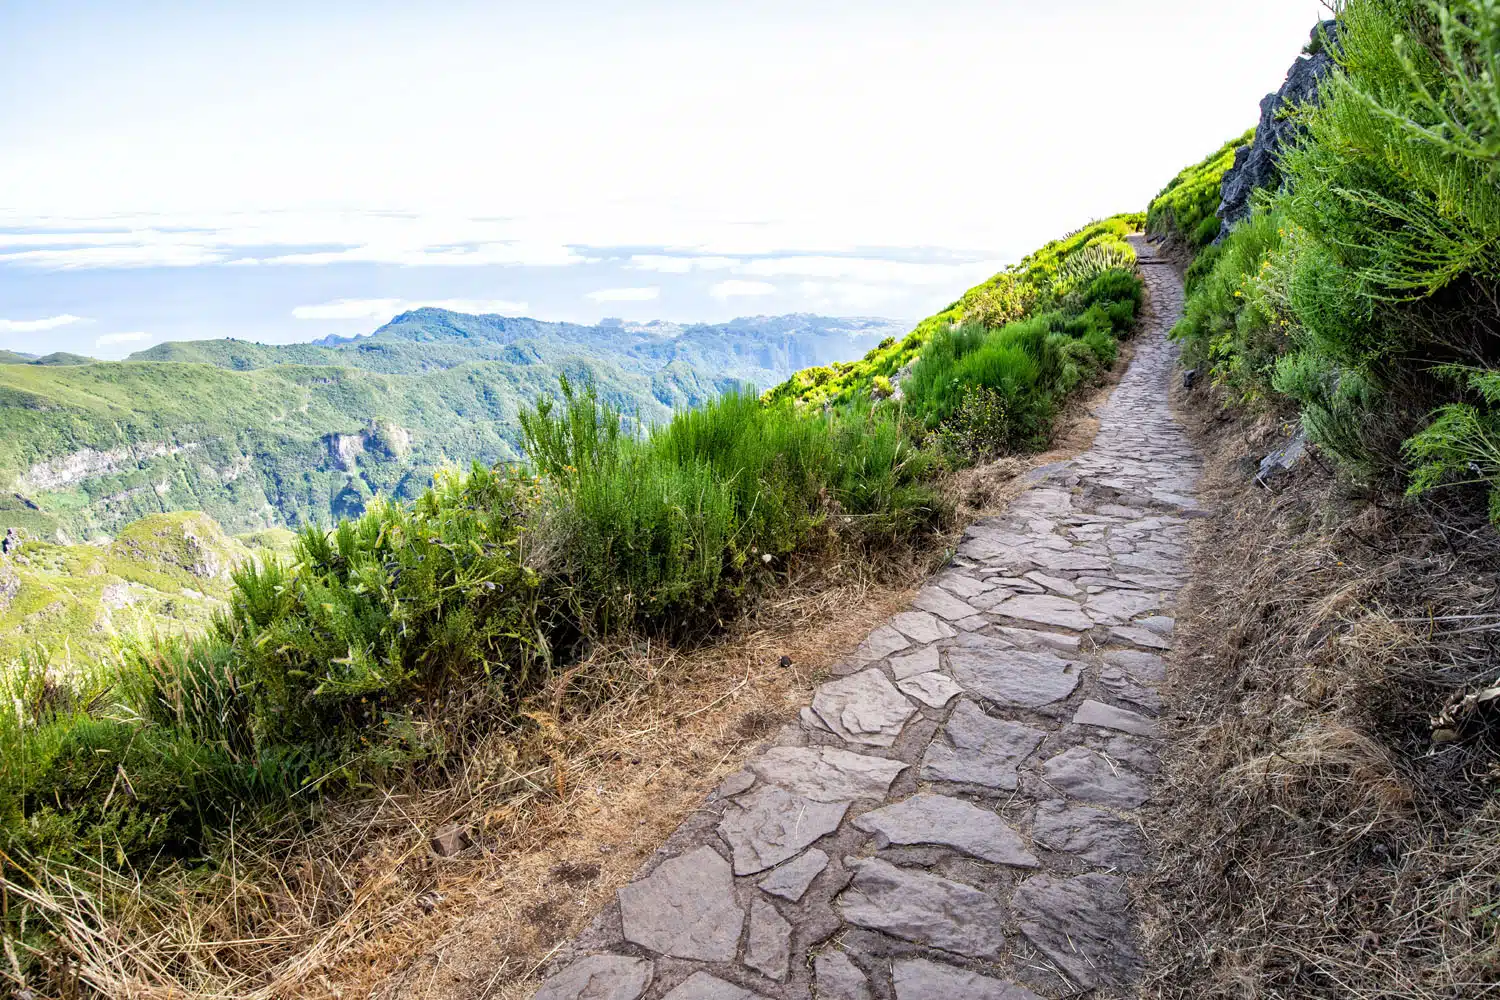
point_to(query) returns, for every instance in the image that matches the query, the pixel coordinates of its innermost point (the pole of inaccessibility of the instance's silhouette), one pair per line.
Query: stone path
(953, 817)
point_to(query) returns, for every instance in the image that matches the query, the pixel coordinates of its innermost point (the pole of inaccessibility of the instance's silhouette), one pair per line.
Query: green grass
(1039, 282)
(1184, 210)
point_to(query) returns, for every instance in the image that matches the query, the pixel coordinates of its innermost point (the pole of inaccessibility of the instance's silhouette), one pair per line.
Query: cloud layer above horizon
(195, 171)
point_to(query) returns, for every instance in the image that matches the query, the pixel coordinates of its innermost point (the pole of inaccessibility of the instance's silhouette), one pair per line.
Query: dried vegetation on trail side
(1334, 829)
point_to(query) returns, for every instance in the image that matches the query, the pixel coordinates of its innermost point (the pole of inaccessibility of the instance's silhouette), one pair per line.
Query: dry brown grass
(1319, 840)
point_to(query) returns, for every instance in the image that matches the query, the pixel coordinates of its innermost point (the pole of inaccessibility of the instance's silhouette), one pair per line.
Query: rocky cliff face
(1255, 166)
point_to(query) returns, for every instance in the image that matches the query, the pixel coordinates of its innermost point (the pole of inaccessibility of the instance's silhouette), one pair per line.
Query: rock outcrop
(1256, 165)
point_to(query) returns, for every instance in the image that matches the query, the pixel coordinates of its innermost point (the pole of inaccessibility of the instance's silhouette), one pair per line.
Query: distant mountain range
(264, 435)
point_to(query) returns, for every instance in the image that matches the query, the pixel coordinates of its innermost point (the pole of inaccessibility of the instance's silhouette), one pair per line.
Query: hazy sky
(280, 171)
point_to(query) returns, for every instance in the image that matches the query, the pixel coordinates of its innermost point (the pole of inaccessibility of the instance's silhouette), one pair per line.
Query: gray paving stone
(941, 603)
(1115, 607)
(1083, 924)
(1123, 687)
(827, 774)
(863, 708)
(790, 880)
(973, 748)
(1056, 584)
(836, 977)
(1137, 636)
(768, 946)
(926, 818)
(1024, 679)
(1147, 668)
(598, 977)
(921, 626)
(920, 661)
(1160, 624)
(924, 908)
(881, 642)
(685, 908)
(1031, 638)
(1045, 609)
(771, 824)
(973, 623)
(702, 986)
(1100, 838)
(739, 781)
(1083, 774)
(920, 979)
(1096, 713)
(932, 689)
(1019, 584)
(962, 585)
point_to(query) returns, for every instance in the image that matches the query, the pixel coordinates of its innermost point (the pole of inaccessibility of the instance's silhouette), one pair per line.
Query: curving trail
(954, 815)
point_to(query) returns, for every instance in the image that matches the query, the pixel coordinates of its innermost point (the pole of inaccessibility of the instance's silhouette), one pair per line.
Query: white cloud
(850, 294)
(35, 325)
(679, 265)
(735, 288)
(625, 294)
(871, 269)
(121, 338)
(81, 258)
(349, 309)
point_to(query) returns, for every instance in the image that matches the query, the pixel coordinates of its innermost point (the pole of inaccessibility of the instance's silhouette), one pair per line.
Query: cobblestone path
(953, 817)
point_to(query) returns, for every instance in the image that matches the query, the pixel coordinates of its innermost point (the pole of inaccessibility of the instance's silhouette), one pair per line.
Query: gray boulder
(1256, 165)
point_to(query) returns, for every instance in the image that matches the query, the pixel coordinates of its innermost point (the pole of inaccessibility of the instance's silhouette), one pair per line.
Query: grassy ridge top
(1184, 210)
(1012, 294)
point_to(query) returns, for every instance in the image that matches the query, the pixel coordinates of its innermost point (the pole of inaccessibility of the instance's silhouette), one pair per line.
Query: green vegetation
(1047, 280)
(258, 435)
(1184, 210)
(1364, 293)
(164, 575)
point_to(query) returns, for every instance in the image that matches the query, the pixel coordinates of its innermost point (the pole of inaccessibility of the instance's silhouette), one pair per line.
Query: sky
(280, 171)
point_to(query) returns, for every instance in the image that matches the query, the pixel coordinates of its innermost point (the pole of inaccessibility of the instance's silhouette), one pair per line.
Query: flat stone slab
(863, 708)
(1045, 609)
(771, 824)
(827, 774)
(1116, 607)
(975, 749)
(941, 603)
(924, 908)
(1100, 838)
(1056, 584)
(1096, 713)
(1123, 687)
(921, 661)
(1031, 638)
(1148, 668)
(992, 670)
(962, 585)
(881, 642)
(1137, 636)
(598, 977)
(685, 908)
(926, 818)
(920, 626)
(836, 977)
(1083, 924)
(919, 979)
(768, 947)
(790, 881)
(932, 689)
(702, 986)
(1083, 774)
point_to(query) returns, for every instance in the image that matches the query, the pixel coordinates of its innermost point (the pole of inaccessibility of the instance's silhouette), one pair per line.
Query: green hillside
(258, 435)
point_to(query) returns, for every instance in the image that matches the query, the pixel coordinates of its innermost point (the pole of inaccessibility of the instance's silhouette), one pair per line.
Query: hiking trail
(954, 816)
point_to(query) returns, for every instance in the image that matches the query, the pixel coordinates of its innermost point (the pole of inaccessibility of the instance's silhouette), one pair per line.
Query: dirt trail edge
(954, 815)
